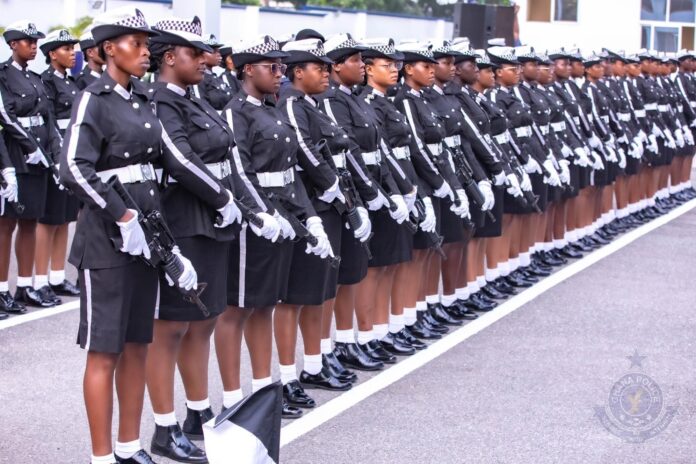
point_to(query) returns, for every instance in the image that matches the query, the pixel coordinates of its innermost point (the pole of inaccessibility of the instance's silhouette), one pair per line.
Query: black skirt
(391, 243)
(574, 189)
(494, 228)
(632, 166)
(353, 267)
(540, 189)
(584, 174)
(312, 280)
(452, 228)
(420, 241)
(61, 207)
(32, 194)
(209, 258)
(258, 270)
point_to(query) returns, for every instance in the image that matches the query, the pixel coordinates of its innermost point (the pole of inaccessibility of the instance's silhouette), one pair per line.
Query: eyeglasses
(322, 67)
(393, 66)
(275, 67)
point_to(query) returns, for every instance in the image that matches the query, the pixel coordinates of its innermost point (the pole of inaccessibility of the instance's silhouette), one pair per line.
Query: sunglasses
(275, 67)
(393, 66)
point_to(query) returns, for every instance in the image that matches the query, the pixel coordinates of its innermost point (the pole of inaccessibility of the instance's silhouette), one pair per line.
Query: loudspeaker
(480, 23)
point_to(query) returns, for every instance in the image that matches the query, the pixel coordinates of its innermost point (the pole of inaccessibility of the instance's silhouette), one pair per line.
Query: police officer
(8, 192)
(33, 142)
(213, 89)
(93, 62)
(229, 75)
(114, 132)
(61, 208)
(687, 96)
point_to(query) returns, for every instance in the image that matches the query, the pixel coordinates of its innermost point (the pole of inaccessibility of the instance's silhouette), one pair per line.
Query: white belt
(524, 131)
(640, 113)
(502, 138)
(605, 119)
(371, 157)
(63, 123)
(401, 152)
(544, 129)
(651, 106)
(276, 179)
(31, 121)
(340, 160)
(558, 126)
(219, 170)
(435, 148)
(452, 141)
(130, 174)
(693, 104)
(576, 120)
(663, 108)
(625, 117)
(680, 108)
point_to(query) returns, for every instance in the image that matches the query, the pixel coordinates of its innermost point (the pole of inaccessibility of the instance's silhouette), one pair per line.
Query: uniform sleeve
(479, 145)
(55, 140)
(689, 106)
(11, 123)
(602, 130)
(182, 163)
(400, 181)
(5, 161)
(79, 156)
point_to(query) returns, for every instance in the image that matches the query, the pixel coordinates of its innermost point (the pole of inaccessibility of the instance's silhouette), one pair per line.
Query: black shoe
(193, 425)
(524, 273)
(10, 305)
(420, 331)
(429, 321)
(31, 297)
(48, 294)
(351, 355)
(479, 304)
(579, 247)
(290, 412)
(599, 240)
(170, 442)
(323, 381)
(394, 344)
(491, 292)
(66, 289)
(538, 271)
(574, 252)
(553, 259)
(405, 337)
(376, 351)
(460, 311)
(441, 316)
(294, 395)
(503, 287)
(517, 281)
(141, 457)
(336, 369)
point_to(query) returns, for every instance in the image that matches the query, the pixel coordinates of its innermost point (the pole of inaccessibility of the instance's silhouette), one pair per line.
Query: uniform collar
(310, 100)
(18, 66)
(376, 92)
(106, 84)
(176, 89)
(253, 100)
(438, 89)
(412, 91)
(59, 74)
(345, 89)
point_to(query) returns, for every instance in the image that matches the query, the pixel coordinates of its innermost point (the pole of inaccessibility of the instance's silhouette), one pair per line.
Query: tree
(78, 29)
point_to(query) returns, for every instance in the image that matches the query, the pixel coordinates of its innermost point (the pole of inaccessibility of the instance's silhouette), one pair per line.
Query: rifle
(301, 230)
(161, 243)
(466, 177)
(247, 214)
(410, 225)
(16, 205)
(433, 239)
(528, 199)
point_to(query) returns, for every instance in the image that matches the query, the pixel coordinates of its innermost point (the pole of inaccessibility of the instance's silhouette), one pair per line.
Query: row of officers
(316, 182)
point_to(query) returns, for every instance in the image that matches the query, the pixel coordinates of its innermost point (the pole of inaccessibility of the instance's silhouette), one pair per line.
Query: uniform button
(148, 125)
(152, 193)
(107, 86)
(38, 139)
(67, 103)
(279, 123)
(333, 123)
(73, 92)
(126, 154)
(27, 75)
(23, 95)
(345, 136)
(275, 136)
(287, 139)
(39, 99)
(149, 149)
(292, 195)
(207, 125)
(289, 159)
(136, 105)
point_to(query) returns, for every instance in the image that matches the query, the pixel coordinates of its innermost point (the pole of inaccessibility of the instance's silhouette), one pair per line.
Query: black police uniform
(111, 128)
(600, 119)
(650, 97)
(214, 90)
(61, 89)
(29, 125)
(229, 78)
(266, 147)
(86, 77)
(581, 114)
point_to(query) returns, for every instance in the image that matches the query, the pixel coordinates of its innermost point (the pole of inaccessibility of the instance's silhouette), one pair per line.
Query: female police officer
(114, 132)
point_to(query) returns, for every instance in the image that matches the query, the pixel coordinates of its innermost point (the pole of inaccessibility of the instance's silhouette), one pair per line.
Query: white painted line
(14, 321)
(336, 406)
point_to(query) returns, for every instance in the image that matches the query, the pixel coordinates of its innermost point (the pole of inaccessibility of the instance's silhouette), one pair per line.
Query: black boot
(336, 369)
(406, 338)
(420, 331)
(170, 442)
(353, 356)
(193, 425)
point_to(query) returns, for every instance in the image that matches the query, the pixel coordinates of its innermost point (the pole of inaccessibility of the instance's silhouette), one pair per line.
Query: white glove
(582, 160)
(410, 199)
(286, 230)
(598, 164)
(514, 187)
(551, 176)
(363, 232)
(566, 151)
(323, 248)
(688, 136)
(595, 142)
(670, 139)
(622, 157)
(463, 209)
(693, 124)
(679, 138)
(635, 149)
(188, 279)
(36, 157)
(656, 131)
(429, 222)
(564, 172)
(611, 142)
(380, 201)
(526, 184)
(532, 166)
(444, 191)
(134, 242)
(230, 213)
(652, 146)
(610, 154)
(488, 197)
(333, 193)
(270, 229)
(401, 212)
(643, 136)
(11, 192)
(499, 179)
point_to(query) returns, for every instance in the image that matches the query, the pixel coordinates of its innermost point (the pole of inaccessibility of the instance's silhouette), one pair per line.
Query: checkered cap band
(381, 45)
(60, 35)
(482, 58)
(462, 47)
(422, 49)
(503, 53)
(444, 47)
(261, 46)
(340, 41)
(175, 25)
(24, 27)
(124, 17)
(211, 40)
(525, 52)
(313, 46)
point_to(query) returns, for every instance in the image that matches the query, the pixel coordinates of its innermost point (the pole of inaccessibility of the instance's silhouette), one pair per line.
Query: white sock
(473, 287)
(447, 300)
(164, 420)
(481, 281)
(410, 316)
(504, 269)
(230, 398)
(515, 264)
(558, 244)
(396, 323)
(462, 293)
(108, 459)
(288, 373)
(200, 405)
(421, 306)
(345, 336)
(380, 330)
(365, 336)
(56, 277)
(258, 384)
(326, 346)
(432, 299)
(4, 286)
(40, 281)
(23, 281)
(312, 363)
(127, 450)
(525, 259)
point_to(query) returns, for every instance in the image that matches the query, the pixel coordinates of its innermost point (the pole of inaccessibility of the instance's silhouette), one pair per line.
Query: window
(666, 39)
(566, 10)
(653, 10)
(645, 37)
(539, 10)
(682, 11)
(687, 40)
